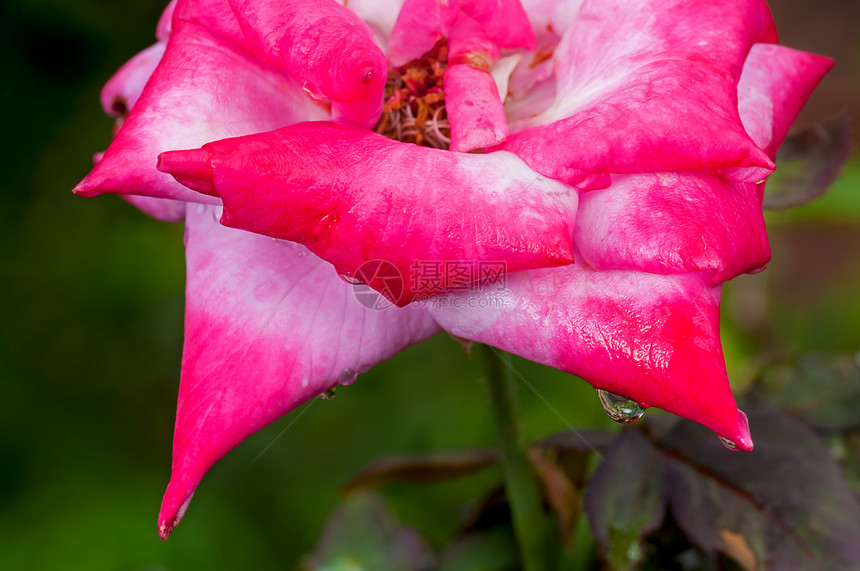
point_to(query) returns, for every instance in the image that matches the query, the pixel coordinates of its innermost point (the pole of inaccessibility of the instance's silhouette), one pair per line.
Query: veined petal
(268, 326)
(647, 87)
(693, 221)
(325, 46)
(352, 196)
(206, 87)
(669, 223)
(654, 339)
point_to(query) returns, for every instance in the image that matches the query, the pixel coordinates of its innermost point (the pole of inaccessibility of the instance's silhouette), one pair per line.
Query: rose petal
(206, 87)
(654, 339)
(774, 87)
(422, 23)
(121, 92)
(352, 196)
(505, 22)
(268, 326)
(165, 22)
(668, 223)
(380, 15)
(647, 87)
(162, 209)
(325, 46)
(475, 112)
(693, 221)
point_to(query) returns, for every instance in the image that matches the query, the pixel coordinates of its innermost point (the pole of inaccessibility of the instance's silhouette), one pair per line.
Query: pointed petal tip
(87, 187)
(170, 516)
(191, 168)
(741, 439)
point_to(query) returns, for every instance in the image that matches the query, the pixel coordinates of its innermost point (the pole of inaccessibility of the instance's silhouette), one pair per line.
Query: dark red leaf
(808, 162)
(823, 391)
(787, 500)
(425, 468)
(625, 499)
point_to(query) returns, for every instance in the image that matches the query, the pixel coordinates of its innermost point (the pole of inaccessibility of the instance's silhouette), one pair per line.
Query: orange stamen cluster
(414, 109)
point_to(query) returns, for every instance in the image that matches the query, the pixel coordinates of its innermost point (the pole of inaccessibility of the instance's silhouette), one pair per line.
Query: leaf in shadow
(362, 534)
(579, 440)
(562, 490)
(786, 502)
(823, 391)
(808, 162)
(424, 468)
(487, 550)
(625, 499)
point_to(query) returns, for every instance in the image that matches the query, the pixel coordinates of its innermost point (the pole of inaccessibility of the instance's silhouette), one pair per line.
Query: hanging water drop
(619, 408)
(347, 377)
(728, 443)
(329, 394)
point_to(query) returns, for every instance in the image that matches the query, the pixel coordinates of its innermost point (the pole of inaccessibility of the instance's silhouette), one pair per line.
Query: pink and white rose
(609, 153)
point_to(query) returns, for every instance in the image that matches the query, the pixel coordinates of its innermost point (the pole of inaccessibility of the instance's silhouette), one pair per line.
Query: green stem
(530, 523)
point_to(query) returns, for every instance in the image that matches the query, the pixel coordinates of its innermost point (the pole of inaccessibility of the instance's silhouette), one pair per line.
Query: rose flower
(605, 157)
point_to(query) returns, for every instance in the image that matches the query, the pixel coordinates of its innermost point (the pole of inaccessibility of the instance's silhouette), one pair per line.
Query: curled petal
(165, 22)
(268, 326)
(668, 223)
(475, 111)
(654, 339)
(121, 92)
(325, 46)
(206, 87)
(774, 87)
(504, 22)
(647, 87)
(421, 23)
(352, 196)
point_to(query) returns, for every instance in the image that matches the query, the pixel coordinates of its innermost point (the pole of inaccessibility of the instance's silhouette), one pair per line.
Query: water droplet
(201, 208)
(347, 377)
(619, 408)
(728, 443)
(329, 394)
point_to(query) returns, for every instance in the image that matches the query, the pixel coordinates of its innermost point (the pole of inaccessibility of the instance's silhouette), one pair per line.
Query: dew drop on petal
(620, 408)
(347, 377)
(329, 394)
(728, 443)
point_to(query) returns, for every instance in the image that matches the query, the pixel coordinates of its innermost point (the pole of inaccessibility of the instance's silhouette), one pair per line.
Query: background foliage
(91, 334)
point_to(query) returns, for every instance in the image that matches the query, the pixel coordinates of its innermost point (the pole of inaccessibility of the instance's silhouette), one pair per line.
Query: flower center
(414, 109)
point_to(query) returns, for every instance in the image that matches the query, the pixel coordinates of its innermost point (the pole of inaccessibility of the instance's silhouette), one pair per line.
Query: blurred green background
(92, 333)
